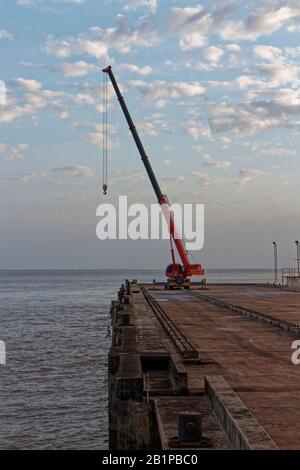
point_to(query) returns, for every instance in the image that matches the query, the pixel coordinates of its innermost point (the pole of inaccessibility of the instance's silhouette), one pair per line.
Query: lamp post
(275, 262)
(298, 256)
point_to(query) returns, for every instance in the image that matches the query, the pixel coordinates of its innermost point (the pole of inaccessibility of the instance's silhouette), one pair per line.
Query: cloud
(4, 34)
(31, 3)
(197, 131)
(121, 176)
(243, 119)
(161, 89)
(132, 5)
(76, 171)
(30, 175)
(135, 69)
(13, 153)
(27, 85)
(263, 21)
(61, 111)
(81, 45)
(213, 54)
(97, 42)
(75, 69)
(193, 24)
(280, 73)
(203, 178)
(147, 128)
(96, 137)
(248, 175)
(172, 179)
(268, 53)
(271, 151)
(33, 97)
(209, 161)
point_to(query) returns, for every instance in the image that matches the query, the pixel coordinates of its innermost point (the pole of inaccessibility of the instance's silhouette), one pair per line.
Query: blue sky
(214, 90)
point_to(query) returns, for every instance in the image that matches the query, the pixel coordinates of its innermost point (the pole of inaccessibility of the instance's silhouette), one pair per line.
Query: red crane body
(174, 271)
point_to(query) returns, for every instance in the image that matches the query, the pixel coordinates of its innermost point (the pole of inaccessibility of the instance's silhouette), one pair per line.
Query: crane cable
(104, 133)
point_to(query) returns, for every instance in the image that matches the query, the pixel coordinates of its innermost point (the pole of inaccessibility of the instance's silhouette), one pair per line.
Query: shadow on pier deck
(217, 359)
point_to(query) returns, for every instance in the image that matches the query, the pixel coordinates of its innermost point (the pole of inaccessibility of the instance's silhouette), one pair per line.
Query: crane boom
(174, 270)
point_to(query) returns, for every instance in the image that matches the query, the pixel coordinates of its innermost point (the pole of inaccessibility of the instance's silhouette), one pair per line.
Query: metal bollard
(189, 426)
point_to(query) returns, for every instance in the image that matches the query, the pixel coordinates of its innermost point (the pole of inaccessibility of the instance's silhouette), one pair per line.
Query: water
(54, 323)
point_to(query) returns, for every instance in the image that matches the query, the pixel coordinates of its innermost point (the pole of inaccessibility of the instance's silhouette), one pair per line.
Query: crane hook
(104, 189)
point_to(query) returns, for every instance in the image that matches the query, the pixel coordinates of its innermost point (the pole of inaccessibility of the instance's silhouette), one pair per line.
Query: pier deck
(224, 352)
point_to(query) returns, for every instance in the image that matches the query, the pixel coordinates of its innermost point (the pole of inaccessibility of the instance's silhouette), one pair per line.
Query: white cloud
(146, 70)
(213, 54)
(76, 171)
(293, 28)
(268, 53)
(209, 161)
(64, 48)
(25, 84)
(132, 5)
(243, 119)
(202, 178)
(75, 69)
(30, 3)
(273, 151)
(285, 100)
(280, 73)
(147, 128)
(32, 98)
(248, 175)
(31, 175)
(234, 48)
(263, 21)
(121, 176)
(6, 35)
(61, 111)
(172, 179)
(194, 24)
(96, 137)
(191, 24)
(13, 153)
(197, 131)
(97, 42)
(161, 89)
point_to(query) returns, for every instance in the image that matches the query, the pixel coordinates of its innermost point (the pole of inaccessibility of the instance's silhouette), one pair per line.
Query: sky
(214, 90)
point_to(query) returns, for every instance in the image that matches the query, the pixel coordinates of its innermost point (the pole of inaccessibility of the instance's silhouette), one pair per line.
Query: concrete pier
(204, 369)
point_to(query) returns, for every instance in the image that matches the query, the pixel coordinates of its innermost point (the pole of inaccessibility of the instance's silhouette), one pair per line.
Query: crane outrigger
(178, 275)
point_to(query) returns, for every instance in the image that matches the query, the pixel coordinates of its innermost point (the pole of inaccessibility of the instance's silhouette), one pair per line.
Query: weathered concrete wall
(243, 430)
(129, 422)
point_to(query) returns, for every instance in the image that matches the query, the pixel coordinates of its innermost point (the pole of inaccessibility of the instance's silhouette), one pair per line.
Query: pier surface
(220, 355)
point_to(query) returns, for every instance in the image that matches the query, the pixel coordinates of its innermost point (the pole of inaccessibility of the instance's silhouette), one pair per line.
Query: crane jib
(135, 135)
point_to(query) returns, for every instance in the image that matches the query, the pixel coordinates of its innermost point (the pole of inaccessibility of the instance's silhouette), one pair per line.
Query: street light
(275, 262)
(298, 256)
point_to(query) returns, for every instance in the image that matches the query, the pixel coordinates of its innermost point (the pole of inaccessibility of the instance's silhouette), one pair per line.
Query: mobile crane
(178, 275)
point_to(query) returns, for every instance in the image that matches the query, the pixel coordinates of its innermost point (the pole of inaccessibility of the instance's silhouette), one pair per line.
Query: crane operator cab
(176, 278)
